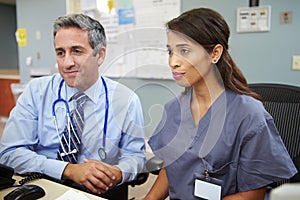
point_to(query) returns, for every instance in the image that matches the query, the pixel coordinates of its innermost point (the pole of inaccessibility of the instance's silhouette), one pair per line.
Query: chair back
(283, 103)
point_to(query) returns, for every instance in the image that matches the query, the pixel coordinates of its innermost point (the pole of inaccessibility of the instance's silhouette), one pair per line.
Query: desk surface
(53, 190)
(288, 191)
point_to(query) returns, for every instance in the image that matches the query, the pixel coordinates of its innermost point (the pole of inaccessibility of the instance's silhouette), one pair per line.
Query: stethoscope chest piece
(102, 153)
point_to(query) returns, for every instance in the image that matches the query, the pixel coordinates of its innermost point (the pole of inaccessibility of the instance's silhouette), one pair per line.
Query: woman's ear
(216, 53)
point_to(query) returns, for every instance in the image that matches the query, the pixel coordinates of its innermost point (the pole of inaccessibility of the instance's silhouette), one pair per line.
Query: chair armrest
(140, 179)
(154, 164)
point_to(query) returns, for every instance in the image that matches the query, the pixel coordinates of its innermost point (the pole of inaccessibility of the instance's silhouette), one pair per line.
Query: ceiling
(10, 2)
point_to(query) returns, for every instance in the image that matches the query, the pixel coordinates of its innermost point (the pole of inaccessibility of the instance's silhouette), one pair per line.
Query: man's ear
(101, 54)
(216, 53)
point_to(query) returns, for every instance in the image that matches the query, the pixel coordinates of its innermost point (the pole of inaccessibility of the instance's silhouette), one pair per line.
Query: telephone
(6, 177)
(6, 174)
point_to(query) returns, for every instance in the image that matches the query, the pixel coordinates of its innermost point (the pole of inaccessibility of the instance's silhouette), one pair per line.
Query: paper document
(72, 195)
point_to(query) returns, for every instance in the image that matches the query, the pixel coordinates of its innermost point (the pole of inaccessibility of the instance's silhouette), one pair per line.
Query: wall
(263, 57)
(8, 47)
(37, 17)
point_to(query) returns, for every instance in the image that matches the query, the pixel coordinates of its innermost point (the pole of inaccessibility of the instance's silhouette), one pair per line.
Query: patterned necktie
(70, 140)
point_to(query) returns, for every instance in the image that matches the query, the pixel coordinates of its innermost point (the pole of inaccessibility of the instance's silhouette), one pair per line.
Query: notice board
(136, 35)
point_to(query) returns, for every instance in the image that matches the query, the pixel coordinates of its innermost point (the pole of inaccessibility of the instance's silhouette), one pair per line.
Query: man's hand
(96, 176)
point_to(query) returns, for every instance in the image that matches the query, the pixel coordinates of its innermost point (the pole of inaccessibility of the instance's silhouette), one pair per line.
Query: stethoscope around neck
(69, 151)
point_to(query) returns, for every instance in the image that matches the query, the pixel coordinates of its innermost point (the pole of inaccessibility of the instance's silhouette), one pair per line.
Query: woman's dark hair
(208, 28)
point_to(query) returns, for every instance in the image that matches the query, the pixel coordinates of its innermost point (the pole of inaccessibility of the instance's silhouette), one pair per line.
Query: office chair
(152, 165)
(283, 103)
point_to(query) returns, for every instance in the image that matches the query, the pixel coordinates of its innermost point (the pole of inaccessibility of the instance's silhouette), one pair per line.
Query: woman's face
(189, 61)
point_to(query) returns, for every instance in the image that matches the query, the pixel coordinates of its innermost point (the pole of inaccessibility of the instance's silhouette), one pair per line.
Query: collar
(93, 92)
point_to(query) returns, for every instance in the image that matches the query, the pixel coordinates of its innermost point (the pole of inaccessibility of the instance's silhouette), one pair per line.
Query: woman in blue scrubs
(216, 139)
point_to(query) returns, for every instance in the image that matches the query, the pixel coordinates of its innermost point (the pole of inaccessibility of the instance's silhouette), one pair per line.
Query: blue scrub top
(236, 141)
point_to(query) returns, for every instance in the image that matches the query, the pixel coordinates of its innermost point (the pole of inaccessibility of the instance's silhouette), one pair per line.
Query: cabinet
(7, 101)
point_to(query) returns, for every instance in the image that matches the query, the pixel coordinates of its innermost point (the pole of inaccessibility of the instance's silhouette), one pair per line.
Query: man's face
(74, 55)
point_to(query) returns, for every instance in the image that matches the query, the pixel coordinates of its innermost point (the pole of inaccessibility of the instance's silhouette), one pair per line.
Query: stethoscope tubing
(59, 99)
(106, 113)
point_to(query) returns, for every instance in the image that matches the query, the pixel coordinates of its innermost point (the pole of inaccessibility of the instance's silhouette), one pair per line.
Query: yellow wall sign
(22, 37)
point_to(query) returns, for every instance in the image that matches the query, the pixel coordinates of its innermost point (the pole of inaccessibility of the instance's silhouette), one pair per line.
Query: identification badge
(207, 187)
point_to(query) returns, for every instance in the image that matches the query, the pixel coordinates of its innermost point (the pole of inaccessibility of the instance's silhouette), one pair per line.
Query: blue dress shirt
(30, 140)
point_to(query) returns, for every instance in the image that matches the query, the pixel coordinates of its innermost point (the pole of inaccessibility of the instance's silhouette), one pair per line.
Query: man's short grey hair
(96, 33)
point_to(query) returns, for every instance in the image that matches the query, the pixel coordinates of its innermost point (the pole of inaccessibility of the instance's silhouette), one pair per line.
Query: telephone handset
(6, 174)
(6, 177)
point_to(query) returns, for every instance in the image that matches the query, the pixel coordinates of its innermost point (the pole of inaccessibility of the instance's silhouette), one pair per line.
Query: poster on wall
(21, 37)
(254, 19)
(136, 37)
